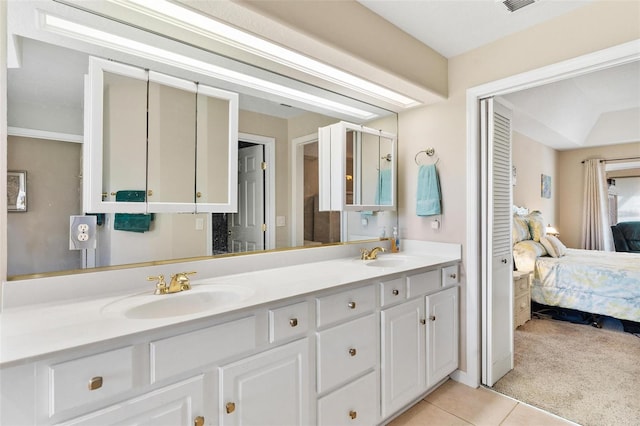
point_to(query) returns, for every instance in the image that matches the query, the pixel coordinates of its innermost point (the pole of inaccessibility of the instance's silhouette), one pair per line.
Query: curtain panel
(596, 234)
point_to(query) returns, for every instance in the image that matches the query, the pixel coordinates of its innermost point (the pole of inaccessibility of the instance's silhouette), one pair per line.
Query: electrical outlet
(82, 232)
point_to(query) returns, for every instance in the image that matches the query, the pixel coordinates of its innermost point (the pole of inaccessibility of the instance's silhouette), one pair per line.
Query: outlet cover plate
(82, 232)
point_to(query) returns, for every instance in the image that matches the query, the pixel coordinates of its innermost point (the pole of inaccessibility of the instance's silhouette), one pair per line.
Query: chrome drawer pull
(353, 414)
(293, 322)
(351, 305)
(95, 383)
(352, 352)
(395, 292)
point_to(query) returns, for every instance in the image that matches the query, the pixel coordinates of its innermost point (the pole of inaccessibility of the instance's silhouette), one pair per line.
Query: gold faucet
(179, 282)
(370, 254)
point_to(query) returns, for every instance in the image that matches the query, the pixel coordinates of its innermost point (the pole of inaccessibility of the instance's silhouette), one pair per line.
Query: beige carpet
(588, 375)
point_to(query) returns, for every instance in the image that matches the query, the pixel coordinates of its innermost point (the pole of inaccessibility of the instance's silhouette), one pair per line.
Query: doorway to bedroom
(527, 176)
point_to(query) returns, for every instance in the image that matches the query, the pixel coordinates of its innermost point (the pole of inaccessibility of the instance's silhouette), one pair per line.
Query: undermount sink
(387, 261)
(199, 299)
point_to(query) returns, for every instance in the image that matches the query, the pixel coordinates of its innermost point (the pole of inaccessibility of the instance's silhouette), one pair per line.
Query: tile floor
(456, 404)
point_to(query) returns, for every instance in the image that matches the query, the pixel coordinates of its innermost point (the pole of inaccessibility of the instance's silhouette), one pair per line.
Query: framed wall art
(17, 191)
(545, 186)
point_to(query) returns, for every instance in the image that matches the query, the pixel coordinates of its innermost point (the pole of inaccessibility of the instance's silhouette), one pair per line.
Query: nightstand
(521, 298)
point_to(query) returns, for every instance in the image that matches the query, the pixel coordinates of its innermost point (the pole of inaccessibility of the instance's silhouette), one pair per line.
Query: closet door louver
(501, 163)
(497, 300)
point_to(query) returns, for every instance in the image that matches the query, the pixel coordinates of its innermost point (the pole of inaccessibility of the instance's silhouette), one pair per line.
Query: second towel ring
(429, 152)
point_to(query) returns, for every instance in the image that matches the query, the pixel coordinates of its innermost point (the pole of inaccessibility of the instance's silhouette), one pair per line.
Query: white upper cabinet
(217, 150)
(157, 143)
(357, 168)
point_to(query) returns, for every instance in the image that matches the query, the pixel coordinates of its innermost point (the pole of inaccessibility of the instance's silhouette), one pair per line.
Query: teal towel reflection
(428, 197)
(128, 221)
(383, 194)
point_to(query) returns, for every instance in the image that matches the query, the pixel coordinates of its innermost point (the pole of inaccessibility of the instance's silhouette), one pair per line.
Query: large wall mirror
(277, 153)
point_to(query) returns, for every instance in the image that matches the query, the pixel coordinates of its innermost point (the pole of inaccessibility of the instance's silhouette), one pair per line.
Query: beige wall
(571, 185)
(532, 159)
(444, 125)
(53, 189)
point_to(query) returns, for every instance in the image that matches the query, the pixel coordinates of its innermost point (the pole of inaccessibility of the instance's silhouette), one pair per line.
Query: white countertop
(32, 331)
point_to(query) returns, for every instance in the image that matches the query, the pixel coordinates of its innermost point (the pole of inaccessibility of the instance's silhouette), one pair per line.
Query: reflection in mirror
(124, 142)
(45, 119)
(359, 168)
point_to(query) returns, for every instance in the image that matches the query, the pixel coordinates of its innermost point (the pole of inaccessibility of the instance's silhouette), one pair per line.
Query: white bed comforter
(605, 283)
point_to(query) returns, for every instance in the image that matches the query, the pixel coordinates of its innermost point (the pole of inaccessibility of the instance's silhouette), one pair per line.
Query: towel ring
(429, 152)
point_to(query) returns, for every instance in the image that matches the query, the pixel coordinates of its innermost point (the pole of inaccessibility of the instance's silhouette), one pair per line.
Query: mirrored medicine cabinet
(172, 140)
(357, 168)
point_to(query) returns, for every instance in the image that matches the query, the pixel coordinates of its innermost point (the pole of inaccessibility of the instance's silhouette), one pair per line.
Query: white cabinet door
(403, 356)
(270, 388)
(175, 405)
(442, 335)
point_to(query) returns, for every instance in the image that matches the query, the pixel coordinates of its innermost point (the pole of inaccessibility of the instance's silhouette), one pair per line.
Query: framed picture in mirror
(17, 191)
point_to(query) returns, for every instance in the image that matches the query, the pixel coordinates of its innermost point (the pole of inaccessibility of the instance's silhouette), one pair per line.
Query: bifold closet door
(497, 298)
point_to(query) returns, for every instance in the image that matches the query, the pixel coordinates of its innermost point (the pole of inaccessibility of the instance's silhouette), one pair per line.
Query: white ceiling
(593, 110)
(452, 27)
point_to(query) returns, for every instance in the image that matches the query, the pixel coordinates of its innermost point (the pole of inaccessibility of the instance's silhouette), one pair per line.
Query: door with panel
(246, 232)
(403, 355)
(177, 404)
(442, 334)
(270, 388)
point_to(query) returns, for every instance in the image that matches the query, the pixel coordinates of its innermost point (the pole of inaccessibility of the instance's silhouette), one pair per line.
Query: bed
(597, 282)
(604, 283)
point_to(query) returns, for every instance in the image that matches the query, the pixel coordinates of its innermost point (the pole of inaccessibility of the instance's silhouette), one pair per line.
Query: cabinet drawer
(393, 291)
(345, 305)
(288, 321)
(189, 351)
(521, 285)
(353, 404)
(521, 310)
(424, 283)
(345, 351)
(451, 275)
(90, 379)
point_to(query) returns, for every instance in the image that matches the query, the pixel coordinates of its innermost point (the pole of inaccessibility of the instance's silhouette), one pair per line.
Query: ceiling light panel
(190, 20)
(109, 40)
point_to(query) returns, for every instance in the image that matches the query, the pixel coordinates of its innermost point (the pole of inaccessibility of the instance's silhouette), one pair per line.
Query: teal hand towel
(129, 221)
(383, 194)
(428, 197)
(132, 222)
(131, 196)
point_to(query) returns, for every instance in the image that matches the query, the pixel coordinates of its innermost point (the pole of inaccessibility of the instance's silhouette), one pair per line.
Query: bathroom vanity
(334, 341)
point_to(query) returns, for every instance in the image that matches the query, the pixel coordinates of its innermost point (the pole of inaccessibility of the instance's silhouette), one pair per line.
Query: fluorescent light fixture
(185, 18)
(104, 39)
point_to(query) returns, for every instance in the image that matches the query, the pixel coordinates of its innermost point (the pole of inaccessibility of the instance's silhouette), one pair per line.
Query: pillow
(537, 228)
(520, 229)
(554, 246)
(525, 254)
